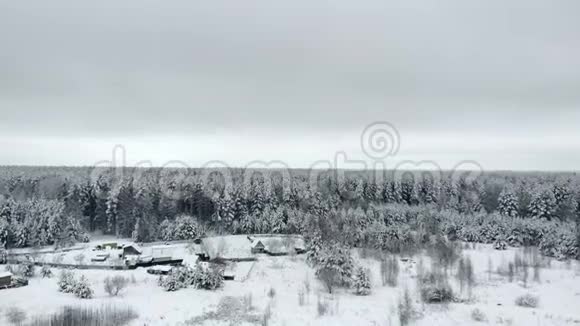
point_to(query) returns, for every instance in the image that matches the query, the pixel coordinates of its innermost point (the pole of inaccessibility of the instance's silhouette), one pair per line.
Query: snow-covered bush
(528, 301)
(437, 293)
(83, 289)
(171, 283)
(559, 242)
(478, 315)
(500, 245)
(66, 282)
(208, 278)
(362, 282)
(27, 270)
(434, 287)
(200, 277)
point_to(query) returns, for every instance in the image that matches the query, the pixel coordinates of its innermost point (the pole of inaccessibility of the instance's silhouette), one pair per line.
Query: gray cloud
(144, 68)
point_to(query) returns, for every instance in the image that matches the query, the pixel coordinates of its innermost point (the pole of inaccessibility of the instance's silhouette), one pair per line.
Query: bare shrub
(15, 316)
(478, 315)
(528, 301)
(406, 309)
(45, 272)
(27, 270)
(106, 315)
(114, 285)
(390, 271)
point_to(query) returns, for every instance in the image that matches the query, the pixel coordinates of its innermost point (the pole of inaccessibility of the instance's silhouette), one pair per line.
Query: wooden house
(258, 247)
(131, 249)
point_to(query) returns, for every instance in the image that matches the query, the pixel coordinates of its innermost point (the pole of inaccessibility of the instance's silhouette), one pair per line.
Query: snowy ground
(559, 293)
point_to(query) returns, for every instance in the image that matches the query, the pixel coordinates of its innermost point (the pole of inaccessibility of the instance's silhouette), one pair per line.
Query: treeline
(49, 205)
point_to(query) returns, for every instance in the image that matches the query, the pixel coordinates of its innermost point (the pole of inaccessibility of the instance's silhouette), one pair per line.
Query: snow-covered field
(276, 282)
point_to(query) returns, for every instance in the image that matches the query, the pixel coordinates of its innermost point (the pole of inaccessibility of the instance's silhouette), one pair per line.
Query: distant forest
(61, 205)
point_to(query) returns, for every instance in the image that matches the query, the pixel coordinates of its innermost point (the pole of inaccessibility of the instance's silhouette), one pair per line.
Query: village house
(131, 249)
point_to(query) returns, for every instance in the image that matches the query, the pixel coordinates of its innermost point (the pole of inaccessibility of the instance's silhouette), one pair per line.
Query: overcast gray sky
(493, 81)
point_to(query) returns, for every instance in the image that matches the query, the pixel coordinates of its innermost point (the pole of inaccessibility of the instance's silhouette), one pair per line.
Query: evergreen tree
(508, 203)
(543, 204)
(362, 282)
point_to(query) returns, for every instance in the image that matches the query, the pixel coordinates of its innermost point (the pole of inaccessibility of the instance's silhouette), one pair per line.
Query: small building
(131, 249)
(160, 270)
(100, 257)
(5, 279)
(108, 245)
(258, 247)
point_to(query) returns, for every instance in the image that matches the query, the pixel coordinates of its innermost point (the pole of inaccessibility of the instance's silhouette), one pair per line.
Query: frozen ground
(559, 293)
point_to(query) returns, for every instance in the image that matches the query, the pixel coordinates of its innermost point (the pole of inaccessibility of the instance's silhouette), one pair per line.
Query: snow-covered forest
(44, 206)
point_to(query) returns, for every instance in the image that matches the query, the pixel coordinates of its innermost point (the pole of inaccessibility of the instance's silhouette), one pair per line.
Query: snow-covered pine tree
(362, 282)
(83, 289)
(543, 204)
(566, 203)
(508, 202)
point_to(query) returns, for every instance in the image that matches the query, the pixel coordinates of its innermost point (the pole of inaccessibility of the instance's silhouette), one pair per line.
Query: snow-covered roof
(257, 243)
(136, 247)
(5, 274)
(163, 268)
